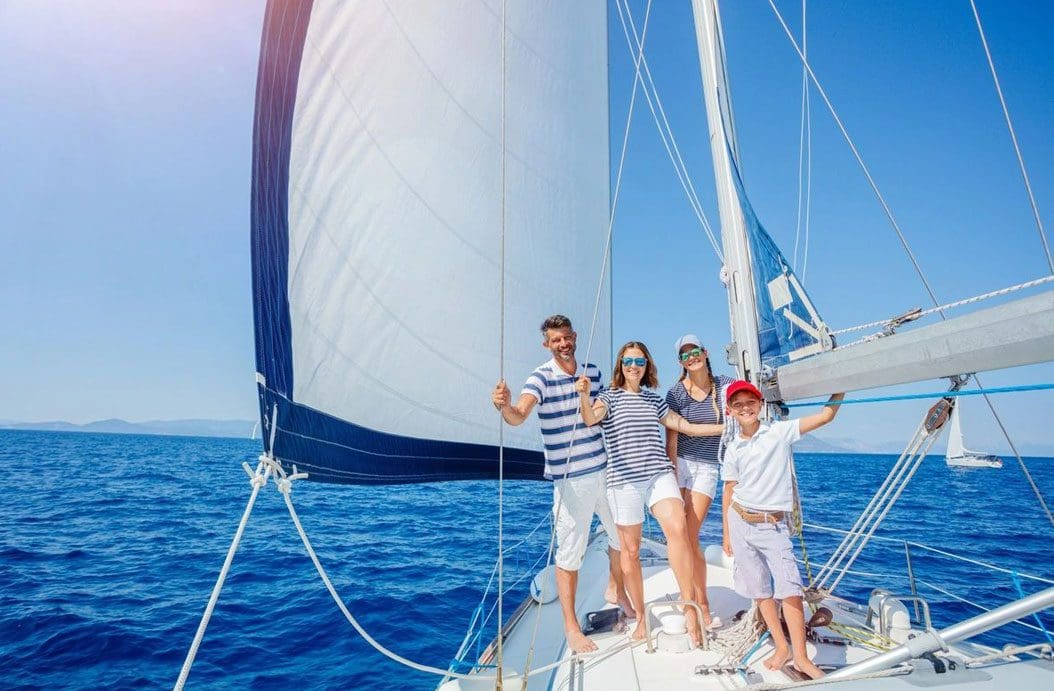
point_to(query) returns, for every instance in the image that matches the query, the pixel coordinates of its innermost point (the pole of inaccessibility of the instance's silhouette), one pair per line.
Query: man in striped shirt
(574, 460)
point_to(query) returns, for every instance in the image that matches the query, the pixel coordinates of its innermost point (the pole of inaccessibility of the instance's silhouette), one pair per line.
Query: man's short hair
(557, 321)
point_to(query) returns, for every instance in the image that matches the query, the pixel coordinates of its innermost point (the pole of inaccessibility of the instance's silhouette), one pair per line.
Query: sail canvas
(382, 235)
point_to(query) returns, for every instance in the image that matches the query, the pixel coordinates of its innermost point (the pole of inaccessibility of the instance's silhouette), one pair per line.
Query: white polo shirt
(761, 466)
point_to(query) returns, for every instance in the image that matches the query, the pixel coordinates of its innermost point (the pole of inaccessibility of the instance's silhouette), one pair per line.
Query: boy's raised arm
(830, 409)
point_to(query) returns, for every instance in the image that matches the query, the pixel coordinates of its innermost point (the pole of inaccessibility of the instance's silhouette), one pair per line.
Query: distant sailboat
(959, 456)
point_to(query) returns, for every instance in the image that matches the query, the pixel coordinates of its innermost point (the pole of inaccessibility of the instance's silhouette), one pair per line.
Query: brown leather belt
(756, 517)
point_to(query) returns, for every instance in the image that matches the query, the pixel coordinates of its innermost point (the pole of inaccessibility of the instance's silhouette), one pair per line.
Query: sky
(125, 132)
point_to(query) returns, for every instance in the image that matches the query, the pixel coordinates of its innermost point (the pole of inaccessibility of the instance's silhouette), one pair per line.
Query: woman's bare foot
(778, 658)
(708, 618)
(579, 642)
(807, 667)
(610, 596)
(627, 606)
(691, 624)
(640, 632)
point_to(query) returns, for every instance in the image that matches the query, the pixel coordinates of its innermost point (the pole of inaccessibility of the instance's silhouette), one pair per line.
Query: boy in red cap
(757, 503)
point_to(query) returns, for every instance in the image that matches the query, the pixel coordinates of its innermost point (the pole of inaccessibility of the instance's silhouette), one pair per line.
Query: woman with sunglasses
(698, 397)
(640, 475)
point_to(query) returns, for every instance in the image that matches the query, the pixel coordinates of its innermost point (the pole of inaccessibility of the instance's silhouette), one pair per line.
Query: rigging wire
(859, 159)
(665, 130)
(501, 367)
(1013, 138)
(906, 246)
(804, 159)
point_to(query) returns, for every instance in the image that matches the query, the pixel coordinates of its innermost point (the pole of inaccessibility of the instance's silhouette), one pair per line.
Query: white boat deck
(623, 664)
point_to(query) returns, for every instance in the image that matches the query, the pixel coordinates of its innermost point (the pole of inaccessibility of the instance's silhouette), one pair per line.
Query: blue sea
(112, 544)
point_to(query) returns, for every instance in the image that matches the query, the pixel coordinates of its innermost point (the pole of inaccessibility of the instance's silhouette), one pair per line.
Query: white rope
(285, 487)
(1008, 652)
(665, 131)
(1013, 138)
(258, 479)
(952, 305)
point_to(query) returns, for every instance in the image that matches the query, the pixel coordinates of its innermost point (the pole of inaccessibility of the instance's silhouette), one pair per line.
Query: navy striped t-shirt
(708, 411)
(633, 435)
(571, 448)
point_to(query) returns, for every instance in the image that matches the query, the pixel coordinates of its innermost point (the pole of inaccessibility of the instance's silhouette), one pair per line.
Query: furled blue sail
(377, 226)
(789, 327)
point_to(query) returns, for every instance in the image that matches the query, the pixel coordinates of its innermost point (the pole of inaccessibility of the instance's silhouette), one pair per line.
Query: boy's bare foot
(639, 633)
(807, 667)
(778, 658)
(579, 642)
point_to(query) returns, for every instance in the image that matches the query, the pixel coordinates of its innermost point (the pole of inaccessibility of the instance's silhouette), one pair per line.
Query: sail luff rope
(501, 357)
(859, 159)
(1013, 138)
(258, 480)
(665, 130)
(951, 305)
(804, 158)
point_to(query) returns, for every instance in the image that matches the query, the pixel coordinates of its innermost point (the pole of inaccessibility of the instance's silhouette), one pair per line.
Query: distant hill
(179, 428)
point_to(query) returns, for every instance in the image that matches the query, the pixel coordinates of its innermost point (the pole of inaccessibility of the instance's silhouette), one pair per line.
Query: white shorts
(628, 501)
(575, 500)
(697, 476)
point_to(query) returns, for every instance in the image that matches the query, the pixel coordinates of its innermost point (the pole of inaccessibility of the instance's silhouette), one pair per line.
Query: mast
(744, 350)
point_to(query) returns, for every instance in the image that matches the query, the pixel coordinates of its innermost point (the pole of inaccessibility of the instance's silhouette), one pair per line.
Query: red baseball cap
(740, 385)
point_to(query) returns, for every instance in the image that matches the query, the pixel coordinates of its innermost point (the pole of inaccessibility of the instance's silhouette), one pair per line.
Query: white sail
(382, 255)
(955, 435)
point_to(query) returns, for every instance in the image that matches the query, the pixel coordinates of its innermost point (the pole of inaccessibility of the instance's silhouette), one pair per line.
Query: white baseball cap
(687, 339)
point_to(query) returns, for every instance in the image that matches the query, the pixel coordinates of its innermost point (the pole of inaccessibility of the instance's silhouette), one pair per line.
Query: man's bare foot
(640, 632)
(807, 667)
(610, 596)
(778, 658)
(627, 606)
(579, 642)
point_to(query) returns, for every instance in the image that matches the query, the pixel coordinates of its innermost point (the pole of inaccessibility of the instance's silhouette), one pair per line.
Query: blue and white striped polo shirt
(635, 438)
(563, 431)
(708, 411)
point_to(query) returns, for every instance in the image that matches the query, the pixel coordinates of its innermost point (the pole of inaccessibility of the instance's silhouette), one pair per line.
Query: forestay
(378, 225)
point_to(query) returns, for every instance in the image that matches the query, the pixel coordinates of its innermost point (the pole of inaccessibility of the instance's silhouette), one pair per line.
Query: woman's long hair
(650, 378)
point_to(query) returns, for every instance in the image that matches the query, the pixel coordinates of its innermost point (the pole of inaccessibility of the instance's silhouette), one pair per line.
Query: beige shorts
(575, 500)
(697, 476)
(628, 501)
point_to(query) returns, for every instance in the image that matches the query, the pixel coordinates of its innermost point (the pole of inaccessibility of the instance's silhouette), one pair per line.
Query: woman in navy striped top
(632, 416)
(697, 397)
